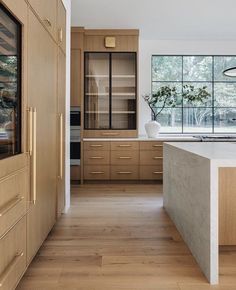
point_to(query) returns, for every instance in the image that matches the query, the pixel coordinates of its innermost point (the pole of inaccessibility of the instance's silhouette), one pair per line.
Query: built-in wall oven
(75, 136)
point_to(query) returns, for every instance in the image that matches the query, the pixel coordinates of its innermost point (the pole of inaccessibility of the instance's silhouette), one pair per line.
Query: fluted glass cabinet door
(97, 91)
(10, 84)
(123, 91)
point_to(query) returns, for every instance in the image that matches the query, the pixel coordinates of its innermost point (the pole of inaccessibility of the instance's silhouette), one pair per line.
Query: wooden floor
(118, 237)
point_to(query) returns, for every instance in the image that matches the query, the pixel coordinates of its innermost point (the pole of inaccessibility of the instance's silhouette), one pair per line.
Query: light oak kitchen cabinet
(32, 180)
(42, 98)
(14, 171)
(123, 159)
(47, 12)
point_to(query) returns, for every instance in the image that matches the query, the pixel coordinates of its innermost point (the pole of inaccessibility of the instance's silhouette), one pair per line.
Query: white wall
(149, 47)
(67, 4)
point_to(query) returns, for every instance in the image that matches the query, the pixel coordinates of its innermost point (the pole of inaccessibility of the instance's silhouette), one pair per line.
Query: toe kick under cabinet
(123, 160)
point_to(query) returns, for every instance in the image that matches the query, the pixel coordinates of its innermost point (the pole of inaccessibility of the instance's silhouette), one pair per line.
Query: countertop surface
(209, 150)
(162, 137)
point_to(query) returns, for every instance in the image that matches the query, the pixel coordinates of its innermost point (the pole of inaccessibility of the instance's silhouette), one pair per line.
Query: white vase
(152, 129)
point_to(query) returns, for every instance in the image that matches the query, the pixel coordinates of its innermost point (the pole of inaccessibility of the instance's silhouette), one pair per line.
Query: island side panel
(227, 206)
(187, 199)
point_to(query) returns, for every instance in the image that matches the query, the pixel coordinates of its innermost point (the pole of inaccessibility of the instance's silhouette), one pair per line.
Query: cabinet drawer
(151, 145)
(125, 145)
(151, 157)
(151, 172)
(96, 157)
(93, 172)
(110, 133)
(13, 199)
(124, 172)
(127, 157)
(47, 12)
(92, 145)
(13, 255)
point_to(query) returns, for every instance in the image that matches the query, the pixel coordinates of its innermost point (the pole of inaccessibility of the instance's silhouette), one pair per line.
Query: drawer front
(125, 172)
(151, 157)
(93, 172)
(123, 146)
(14, 194)
(110, 133)
(127, 157)
(13, 255)
(97, 146)
(151, 145)
(96, 158)
(154, 172)
(47, 12)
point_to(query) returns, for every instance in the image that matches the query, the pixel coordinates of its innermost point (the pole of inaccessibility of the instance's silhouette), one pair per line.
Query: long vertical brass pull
(30, 129)
(34, 156)
(61, 146)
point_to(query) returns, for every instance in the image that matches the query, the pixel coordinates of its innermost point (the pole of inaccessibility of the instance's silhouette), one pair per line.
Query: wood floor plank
(118, 237)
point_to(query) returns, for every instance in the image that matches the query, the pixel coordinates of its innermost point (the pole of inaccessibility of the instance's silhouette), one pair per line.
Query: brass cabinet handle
(157, 145)
(9, 268)
(48, 22)
(125, 172)
(60, 32)
(30, 129)
(157, 157)
(96, 145)
(110, 134)
(157, 172)
(124, 145)
(97, 172)
(61, 146)
(10, 205)
(125, 157)
(34, 156)
(96, 157)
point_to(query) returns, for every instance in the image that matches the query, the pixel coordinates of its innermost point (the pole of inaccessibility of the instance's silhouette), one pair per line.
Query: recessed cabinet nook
(32, 114)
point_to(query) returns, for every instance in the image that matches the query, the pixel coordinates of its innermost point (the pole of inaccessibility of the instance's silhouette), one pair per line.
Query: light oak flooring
(118, 237)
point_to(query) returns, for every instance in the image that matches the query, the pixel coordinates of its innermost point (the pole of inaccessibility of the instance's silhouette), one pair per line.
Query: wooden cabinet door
(61, 93)
(76, 78)
(47, 12)
(61, 25)
(42, 77)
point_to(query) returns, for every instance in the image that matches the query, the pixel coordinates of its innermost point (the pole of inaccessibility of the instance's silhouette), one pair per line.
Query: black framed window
(10, 84)
(218, 112)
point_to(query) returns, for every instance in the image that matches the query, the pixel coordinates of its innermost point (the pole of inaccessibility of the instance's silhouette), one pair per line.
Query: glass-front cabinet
(110, 91)
(10, 91)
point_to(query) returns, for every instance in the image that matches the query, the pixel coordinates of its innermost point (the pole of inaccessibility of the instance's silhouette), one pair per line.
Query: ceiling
(161, 19)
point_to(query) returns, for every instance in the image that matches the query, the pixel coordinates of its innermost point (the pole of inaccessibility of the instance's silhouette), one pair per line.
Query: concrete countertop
(217, 151)
(161, 137)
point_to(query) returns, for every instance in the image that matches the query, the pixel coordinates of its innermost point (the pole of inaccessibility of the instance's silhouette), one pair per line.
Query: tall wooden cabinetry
(42, 98)
(32, 184)
(110, 83)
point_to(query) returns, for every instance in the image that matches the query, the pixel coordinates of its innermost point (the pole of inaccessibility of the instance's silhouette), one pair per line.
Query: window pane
(170, 120)
(197, 68)
(178, 86)
(225, 94)
(202, 100)
(166, 68)
(197, 120)
(222, 63)
(225, 120)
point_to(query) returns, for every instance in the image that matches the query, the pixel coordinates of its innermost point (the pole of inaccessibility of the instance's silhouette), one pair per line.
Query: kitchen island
(200, 197)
